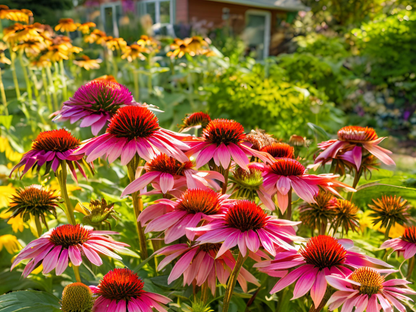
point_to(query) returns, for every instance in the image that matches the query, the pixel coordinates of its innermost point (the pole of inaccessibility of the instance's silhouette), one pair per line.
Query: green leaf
(318, 131)
(29, 300)
(6, 121)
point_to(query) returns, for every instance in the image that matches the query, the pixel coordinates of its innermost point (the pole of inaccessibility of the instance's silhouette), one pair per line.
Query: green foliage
(333, 48)
(29, 300)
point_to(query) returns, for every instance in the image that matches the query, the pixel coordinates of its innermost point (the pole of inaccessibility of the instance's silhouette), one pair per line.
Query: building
(258, 22)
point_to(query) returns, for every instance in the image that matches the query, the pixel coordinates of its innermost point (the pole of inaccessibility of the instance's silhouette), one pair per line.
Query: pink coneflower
(169, 173)
(285, 173)
(279, 150)
(95, 103)
(121, 290)
(174, 217)
(321, 256)
(195, 121)
(51, 149)
(199, 263)
(405, 245)
(367, 290)
(223, 139)
(133, 130)
(68, 243)
(353, 139)
(245, 224)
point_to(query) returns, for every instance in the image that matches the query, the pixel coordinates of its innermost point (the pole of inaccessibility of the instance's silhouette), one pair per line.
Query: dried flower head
(389, 210)
(346, 216)
(260, 139)
(77, 297)
(195, 120)
(97, 213)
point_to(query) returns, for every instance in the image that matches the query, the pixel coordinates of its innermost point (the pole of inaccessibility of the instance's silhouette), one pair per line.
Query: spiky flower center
(279, 150)
(133, 122)
(250, 179)
(357, 134)
(77, 297)
(323, 252)
(246, 215)
(410, 235)
(198, 200)
(55, 141)
(390, 205)
(371, 281)
(224, 131)
(259, 138)
(167, 164)
(287, 167)
(69, 235)
(322, 211)
(210, 247)
(33, 199)
(121, 284)
(196, 119)
(345, 207)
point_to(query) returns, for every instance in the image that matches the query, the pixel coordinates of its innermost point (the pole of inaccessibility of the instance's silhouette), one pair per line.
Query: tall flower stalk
(63, 79)
(3, 96)
(232, 281)
(52, 85)
(45, 88)
(25, 75)
(13, 69)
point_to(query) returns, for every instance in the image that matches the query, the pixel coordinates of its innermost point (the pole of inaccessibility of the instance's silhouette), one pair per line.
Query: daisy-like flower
(65, 243)
(189, 210)
(367, 290)
(33, 201)
(115, 43)
(249, 185)
(31, 47)
(179, 48)
(320, 257)
(134, 51)
(279, 150)
(357, 140)
(405, 245)
(199, 264)
(95, 103)
(168, 174)
(77, 297)
(87, 63)
(259, 139)
(223, 139)
(346, 216)
(122, 290)
(85, 27)
(66, 25)
(96, 36)
(196, 45)
(245, 224)
(389, 210)
(53, 149)
(134, 130)
(285, 174)
(195, 121)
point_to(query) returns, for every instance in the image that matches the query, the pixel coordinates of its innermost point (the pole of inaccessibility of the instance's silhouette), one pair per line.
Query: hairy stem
(410, 268)
(232, 281)
(225, 184)
(288, 214)
(38, 226)
(62, 175)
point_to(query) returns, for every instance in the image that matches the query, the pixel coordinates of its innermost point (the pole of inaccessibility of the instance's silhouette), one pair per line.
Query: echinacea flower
(33, 201)
(367, 290)
(173, 217)
(95, 103)
(285, 174)
(199, 264)
(357, 140)
(77, 297)
(405, 245)
(133, 130)
(53, 149)
(279, 150)
(66, 25)
(87, 63)
(223, 139)
(121, 290)
(65, 243)
(320, 257)
(245, 224)
(346, 216)
(389, 210)
(259, 139)
(195, 121)
(168, 174)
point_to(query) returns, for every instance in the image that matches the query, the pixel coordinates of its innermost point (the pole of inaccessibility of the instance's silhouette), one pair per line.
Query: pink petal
(181, 265)
(305, 283)
(319, 288)
(62, 262)
(166, 182)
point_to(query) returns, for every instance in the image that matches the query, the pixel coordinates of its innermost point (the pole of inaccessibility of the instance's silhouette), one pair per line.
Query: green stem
(38, 226)
(45, 87)
(225, 184)
(63, 80)
(138, 207)
(386, 234)
(62, 176)
(288, 214)
(410, 268)
(191, 92)
(54, 95)
(232, 281)
(28, 84)
(76, 272)
(3, 96)
(115, 67)
(150, 76)
(35, 83)
(204, 292)
(13, 69)
(357, 178)
(136, 84)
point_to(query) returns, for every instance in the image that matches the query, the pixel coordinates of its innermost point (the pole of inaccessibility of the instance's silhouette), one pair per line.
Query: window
(161, 11)
(111, 14)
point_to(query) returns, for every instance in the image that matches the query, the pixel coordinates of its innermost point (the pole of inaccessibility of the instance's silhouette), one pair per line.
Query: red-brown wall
(182, 15)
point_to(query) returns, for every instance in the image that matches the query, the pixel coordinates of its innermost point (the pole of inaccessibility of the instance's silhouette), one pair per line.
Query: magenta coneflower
(223, 139)
(199, 263)
(133, 130)
(321, 256)
(95, 103)
(174, 217)
(245, 224)
(279, 150)
(405, 245)
(354, 139)
(121, 290)
(367, 290)
(285, 174)
(195, 121)
(169, 173)
(68, 243)
(51, 149)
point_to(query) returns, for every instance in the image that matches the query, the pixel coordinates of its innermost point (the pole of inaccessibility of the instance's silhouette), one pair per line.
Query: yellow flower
(115, 43)
(10, 242)
(42, 61)
(15, 15)
(88, 63)
(368, 222)
(70, 187)
(30, 47)
(148, 42)
(85, 28)
(66, 24)
(19, 32)
(17, 223)
(4, 59)
(96, 36)
(179, 48)
(133, 52)
(195, 45)
(6, 193)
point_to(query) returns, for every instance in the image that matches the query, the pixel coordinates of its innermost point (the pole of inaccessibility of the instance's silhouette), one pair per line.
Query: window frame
(113, 6)
(142, 12)
(267, 32)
